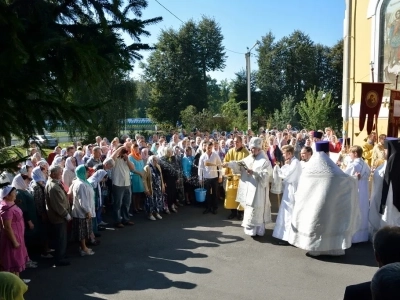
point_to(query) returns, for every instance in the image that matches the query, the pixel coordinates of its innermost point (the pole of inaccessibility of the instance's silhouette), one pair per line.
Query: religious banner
(371, 100)
(394, 113)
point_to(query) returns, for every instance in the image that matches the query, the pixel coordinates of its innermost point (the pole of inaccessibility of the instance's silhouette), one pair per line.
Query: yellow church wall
(364, 50)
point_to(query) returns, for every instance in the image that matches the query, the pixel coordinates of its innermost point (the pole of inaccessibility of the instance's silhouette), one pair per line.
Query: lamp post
(248, 72)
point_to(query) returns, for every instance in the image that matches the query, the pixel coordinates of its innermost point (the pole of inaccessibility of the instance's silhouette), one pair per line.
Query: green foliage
(317, 109)
(295, 64)
(286, 114)
(142, 99)
(239, 89)
(117, 100)
(235, 116)
(176, 70)
(47, 48)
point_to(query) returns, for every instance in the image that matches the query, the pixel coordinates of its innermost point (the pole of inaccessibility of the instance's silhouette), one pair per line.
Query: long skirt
(81, 229)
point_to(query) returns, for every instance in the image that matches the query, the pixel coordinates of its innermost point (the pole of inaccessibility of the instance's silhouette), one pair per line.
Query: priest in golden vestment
(234, 154)
(368, 148)
(378, 152)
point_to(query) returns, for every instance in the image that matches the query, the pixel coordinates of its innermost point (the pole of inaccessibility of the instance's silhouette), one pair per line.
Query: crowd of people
(333, 194)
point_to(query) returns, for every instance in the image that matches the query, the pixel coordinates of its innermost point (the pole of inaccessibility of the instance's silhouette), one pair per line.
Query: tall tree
(177, 69)
(47, 47)
(118, 97)
(317, 109)
(293, 65)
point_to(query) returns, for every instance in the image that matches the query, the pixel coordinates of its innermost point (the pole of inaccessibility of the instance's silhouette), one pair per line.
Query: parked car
(45, 141)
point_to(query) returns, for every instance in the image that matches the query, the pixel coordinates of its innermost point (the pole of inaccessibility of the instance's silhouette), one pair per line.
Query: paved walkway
(194, 256)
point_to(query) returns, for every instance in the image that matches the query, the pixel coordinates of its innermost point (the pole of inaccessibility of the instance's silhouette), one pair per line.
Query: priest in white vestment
(390, 199)
(290, 173)
(359, 169)
(253, 190)
(327, 213)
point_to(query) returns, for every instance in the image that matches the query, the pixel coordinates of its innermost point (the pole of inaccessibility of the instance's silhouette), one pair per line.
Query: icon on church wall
(391, 47)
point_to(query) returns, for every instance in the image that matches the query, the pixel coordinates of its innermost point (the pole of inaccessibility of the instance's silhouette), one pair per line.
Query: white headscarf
(19, 183)
(57, 160)
(68, 164)
(38, 175)
(97, 176)
(5, 191)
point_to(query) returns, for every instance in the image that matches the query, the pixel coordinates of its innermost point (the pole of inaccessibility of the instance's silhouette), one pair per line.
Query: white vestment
(290, 175)
(358, 165)
(391, 215)
(327, 213)
(374, 217)
(253, 193)
(276, 187)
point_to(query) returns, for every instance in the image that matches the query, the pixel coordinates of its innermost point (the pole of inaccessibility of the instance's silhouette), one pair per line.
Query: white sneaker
(151, 218)
(103, 223)
(167, 211)
(158, 216)
(173, 209)
(31, 264)
(26, 280)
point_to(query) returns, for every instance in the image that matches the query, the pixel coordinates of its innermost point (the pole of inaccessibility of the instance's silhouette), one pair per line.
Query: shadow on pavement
(146, 256)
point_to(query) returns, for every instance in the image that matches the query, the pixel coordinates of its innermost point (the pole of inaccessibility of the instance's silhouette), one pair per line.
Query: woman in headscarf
(26, 203)
(170, 177)
(83, 209)
(154, 148)
(144, 152)
(78, 155)
(136, 178)
(177, 163)
(38, 183)
(95, 180)
(58, 161)
(153, 188)
(12, 287)
(13, 253)
(69, 171)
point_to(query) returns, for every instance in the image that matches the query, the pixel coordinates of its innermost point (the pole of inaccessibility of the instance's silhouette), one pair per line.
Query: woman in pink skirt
(13, 254)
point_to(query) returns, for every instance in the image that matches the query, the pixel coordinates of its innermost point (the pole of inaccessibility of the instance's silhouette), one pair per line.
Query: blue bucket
(200, 194)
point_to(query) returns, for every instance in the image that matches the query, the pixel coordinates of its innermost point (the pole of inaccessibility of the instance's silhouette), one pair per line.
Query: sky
(244, 22)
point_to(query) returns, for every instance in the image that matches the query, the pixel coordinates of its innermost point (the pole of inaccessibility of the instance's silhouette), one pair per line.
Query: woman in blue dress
(137, 179)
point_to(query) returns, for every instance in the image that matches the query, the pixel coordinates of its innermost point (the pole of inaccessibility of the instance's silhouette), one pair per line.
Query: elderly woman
(153, 188)
(26, 203)
(179, 183)
(136, 177)
(79, 156)
(170, 176)
(69, 171)
(37, 185)
(13, 253)
(83, 209)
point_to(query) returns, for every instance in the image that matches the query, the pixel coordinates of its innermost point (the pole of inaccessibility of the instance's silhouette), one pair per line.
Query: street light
(248, 71)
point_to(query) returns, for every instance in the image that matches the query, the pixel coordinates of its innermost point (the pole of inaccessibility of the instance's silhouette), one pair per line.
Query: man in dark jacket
(57, 206)
(387, 251)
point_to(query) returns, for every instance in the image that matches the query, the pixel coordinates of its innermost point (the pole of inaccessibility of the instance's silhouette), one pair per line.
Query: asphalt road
(194, 256)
